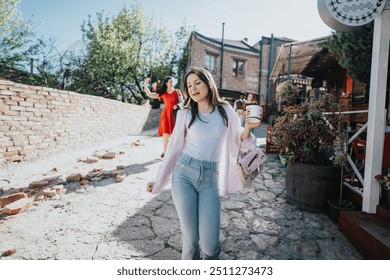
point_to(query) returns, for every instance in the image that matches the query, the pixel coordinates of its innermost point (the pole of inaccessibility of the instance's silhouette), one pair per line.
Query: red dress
(167, 120)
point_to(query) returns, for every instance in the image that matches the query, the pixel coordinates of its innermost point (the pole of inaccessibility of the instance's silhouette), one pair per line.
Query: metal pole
(260, 69)
(222, 43)
(271, 58)
(289, 62)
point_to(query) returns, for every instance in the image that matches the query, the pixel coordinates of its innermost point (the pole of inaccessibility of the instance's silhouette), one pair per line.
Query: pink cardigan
(229, 180)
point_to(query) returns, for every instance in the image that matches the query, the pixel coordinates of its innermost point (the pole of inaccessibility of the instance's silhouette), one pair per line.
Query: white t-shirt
(205, 138)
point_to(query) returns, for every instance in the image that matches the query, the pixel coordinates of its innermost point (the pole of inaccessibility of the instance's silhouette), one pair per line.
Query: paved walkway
(117, 221)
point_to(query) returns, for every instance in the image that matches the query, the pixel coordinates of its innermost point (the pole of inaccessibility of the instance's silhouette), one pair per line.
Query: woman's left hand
(251, 125)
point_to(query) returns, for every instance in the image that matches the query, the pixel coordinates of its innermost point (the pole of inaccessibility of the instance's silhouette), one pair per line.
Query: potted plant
(288, 95)
(309, 132)
(339, 204)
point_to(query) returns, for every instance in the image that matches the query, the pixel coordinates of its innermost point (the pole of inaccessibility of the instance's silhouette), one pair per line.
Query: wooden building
(309, 64)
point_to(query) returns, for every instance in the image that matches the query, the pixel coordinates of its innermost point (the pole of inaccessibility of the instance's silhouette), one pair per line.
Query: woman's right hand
(149, 186)
(147, 80)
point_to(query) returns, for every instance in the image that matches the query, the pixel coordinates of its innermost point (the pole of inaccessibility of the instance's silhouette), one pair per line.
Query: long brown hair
(213, 96)
(164, 87)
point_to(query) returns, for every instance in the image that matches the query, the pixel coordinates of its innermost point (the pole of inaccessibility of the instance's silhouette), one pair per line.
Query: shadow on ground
(257, 223)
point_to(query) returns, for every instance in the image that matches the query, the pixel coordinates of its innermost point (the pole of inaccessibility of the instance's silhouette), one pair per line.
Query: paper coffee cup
(253, 112)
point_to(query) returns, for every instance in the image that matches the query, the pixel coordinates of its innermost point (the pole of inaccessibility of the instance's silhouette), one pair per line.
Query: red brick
(109, 156)
(50, 193)
(11, 198)
(58, 188)
(38, 184)
(120, 177)
(14, 159)
(10, 113)
(18, 206)
(9, 252)
(24, 94)
(73, 177)
(11, 154)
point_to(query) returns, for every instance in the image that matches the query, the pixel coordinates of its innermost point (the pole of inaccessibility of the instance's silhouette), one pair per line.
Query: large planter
(309, 187)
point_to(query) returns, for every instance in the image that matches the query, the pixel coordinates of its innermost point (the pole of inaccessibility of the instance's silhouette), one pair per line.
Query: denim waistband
(206, 165)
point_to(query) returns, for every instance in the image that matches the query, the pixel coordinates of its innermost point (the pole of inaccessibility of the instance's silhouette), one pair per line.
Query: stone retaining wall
(37, 121)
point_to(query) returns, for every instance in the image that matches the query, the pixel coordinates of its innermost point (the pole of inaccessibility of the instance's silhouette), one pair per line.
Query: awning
(308, 58)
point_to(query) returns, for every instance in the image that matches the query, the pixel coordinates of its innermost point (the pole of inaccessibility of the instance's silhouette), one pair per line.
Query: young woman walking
(201, 160)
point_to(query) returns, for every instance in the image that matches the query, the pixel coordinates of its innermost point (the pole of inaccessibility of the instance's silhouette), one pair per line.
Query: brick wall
(199, 48)
(200, 45)
(36, 121)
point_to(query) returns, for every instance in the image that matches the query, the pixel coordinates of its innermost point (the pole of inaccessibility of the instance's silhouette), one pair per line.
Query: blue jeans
(195, 194)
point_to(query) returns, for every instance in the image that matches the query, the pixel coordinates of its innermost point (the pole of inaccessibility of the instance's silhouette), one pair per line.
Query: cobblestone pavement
(117, 221)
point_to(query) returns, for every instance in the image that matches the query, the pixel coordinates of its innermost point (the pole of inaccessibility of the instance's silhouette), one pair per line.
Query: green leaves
(122, 51)
(288, 92)
(354, 51)
(309, 135)
(14, 37)
(118, 53)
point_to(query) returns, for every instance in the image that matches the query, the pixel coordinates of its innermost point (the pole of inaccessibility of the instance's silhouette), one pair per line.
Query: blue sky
(295, 19)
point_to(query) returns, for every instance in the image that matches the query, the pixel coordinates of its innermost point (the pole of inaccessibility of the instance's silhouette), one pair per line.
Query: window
(238, 68)
(210, 62)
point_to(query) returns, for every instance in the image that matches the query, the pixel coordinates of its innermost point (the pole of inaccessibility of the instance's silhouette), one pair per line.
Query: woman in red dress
(170, 97)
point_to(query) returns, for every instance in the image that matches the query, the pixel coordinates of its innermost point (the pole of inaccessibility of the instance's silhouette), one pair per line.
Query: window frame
(212, 60)
(238, 68)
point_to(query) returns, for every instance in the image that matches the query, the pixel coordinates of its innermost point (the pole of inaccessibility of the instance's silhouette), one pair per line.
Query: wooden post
(376, 112)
